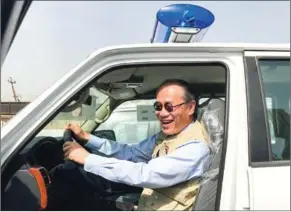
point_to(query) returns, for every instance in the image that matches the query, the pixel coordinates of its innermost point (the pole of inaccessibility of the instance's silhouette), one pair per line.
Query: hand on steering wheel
(78, 133)
(73, 150)
(68, 135)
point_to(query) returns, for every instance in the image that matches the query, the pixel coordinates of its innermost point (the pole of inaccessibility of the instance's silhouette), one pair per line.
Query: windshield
(80, 114)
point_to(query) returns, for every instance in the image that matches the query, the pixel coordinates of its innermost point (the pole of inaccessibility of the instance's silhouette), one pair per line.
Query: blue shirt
(134, 165)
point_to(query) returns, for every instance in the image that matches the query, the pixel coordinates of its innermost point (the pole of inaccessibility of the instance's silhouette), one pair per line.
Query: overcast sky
(55, 36)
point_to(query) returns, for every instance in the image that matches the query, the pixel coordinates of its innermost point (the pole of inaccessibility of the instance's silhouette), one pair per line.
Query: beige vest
(181, 196)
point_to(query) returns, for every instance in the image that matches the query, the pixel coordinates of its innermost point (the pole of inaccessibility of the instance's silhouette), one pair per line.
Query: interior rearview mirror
(88, 101)
(77, 100)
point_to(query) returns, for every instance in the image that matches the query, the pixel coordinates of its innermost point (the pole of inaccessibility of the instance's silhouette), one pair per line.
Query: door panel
(268, 88)
(270, 188)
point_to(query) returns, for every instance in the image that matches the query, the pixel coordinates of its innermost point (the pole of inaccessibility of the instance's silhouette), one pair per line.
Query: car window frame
(259, 127)
(220, 177)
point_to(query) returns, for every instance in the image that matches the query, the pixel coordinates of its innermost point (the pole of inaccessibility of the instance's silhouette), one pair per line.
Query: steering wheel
(69, 136)
(47, 152)
(101, 185)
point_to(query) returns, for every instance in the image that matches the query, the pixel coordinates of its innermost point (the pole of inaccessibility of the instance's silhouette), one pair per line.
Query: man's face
(173, 122)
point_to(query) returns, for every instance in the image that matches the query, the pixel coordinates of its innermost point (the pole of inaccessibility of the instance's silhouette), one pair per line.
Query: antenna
(11, 81)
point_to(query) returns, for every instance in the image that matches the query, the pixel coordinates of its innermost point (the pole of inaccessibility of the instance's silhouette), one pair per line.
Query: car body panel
(270, 188)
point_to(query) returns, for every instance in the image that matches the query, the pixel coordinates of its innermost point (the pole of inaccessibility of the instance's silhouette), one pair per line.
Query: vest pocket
(152, 200)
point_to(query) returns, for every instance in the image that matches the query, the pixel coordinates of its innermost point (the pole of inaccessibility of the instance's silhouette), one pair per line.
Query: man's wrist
(86, 138)
(86, 155)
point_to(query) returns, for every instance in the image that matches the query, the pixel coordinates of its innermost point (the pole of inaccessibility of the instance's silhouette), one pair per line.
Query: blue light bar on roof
(181, 23)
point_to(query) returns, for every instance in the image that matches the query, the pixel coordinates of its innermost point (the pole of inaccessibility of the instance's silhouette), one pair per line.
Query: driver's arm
(140, 152)
(187, 162)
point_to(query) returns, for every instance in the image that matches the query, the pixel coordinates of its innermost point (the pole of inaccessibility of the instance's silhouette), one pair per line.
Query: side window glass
(126, 124)
(276, 88)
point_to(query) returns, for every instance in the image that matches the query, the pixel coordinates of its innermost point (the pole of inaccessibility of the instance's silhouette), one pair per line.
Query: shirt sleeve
(187, 162)
(140, 152)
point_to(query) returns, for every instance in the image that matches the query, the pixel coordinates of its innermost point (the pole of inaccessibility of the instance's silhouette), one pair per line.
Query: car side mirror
(108, 134)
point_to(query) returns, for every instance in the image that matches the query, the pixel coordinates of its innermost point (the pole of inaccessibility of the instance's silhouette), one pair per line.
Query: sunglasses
(168, 106)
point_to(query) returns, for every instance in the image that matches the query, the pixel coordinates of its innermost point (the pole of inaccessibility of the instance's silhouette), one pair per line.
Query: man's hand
(75, 152)
(79, 133)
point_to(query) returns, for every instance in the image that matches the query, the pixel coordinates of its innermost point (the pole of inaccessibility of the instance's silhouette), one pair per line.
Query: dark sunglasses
(168, 106)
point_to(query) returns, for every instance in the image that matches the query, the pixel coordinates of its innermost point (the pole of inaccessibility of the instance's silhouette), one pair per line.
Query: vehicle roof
(215, 47)
(247, 46)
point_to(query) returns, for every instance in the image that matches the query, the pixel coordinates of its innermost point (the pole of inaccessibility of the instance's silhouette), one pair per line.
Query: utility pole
(11, 81)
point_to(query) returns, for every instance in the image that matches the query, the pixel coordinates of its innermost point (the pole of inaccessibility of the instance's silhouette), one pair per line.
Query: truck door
(268, 108)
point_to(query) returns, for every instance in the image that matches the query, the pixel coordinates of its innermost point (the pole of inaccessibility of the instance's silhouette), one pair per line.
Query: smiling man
(167, 166)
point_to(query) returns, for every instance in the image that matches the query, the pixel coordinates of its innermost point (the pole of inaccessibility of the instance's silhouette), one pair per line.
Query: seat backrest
(212, 114)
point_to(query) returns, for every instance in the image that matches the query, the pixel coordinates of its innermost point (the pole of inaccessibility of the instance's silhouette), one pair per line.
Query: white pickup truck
(243, 95)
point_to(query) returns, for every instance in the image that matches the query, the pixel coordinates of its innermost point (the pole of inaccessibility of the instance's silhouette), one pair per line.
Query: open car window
(134, 86)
